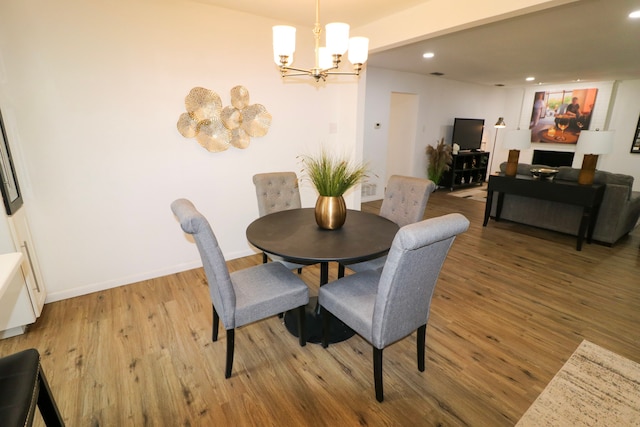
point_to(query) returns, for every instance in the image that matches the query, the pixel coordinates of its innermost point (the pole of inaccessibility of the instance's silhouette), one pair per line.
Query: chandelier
(326, 58)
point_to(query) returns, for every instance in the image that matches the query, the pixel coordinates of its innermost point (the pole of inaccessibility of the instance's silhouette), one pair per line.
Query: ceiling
(303, 12)
(588, 40)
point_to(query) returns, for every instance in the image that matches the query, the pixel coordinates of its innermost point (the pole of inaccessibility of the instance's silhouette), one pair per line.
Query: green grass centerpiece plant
(439, 161)
(332, 176)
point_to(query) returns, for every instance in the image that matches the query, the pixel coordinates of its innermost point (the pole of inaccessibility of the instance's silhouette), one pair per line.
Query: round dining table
(294, 236)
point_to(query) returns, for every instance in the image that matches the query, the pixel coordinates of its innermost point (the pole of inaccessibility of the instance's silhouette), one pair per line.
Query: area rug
(478, 193)
(596, 387)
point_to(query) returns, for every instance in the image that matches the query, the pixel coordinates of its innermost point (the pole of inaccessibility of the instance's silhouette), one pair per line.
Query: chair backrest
(405, 199)
(277, 191)
(221, 290)
(409, 276)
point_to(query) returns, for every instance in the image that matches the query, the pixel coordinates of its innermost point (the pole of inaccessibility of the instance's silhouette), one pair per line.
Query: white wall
(401, 127)
(91, 93)
(440, 101)
(617, 108)
(518, 109)
(432, 18)
(624, 119)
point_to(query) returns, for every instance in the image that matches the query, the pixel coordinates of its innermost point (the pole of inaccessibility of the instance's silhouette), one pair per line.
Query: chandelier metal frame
(317, 72)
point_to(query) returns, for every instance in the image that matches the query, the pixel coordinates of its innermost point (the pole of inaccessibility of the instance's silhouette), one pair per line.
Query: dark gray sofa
(618, 214)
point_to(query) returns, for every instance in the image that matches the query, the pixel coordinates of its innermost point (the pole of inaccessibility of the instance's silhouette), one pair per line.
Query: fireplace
(552, 158)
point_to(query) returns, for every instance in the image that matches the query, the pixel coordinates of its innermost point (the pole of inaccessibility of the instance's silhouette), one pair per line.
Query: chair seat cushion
(18, 387)
(266, 290)
(289, 265)
(373, 264)
(352, 299)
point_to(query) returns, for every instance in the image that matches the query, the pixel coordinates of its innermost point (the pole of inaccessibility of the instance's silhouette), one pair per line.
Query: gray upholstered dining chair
(384, 306)
(244, 296)
(277, 191)
(404, 202)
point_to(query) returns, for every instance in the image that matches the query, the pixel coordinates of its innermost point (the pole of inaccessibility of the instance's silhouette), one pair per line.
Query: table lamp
(591, 144)
(514, 141)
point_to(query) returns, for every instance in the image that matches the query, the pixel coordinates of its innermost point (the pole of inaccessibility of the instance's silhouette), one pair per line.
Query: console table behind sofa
(618, 215)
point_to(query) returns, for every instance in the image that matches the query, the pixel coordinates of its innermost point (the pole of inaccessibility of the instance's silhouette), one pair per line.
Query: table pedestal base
(338, 331)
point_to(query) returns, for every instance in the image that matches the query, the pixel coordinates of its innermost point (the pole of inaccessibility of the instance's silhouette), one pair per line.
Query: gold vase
(331, 212)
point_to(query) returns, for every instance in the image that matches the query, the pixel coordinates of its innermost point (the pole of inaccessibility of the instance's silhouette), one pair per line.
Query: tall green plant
(332, 175)
(439, 160)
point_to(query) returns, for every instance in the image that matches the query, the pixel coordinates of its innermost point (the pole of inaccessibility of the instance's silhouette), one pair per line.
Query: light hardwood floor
(510, 307)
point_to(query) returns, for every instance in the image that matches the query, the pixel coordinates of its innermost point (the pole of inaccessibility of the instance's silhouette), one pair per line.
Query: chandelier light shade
(337, 38)
(327, 58)
(358, 50)
(592, 144)
(284, 41)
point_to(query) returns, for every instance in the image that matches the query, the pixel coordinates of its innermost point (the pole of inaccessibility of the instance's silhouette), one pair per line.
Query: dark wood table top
(295, 236)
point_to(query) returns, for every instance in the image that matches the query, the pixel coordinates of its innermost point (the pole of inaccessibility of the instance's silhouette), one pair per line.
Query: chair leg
(422, 331)
(230, 342)
(377, 373)
(46, 403)
(302, 334)
(326, 318)
(216, 323)
(300, 270)
(264, 258)
(340, 270)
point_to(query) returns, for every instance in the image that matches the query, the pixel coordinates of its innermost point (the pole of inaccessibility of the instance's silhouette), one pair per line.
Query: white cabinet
(24, 298)
(23, 242)
(24, 293)
(16, 308)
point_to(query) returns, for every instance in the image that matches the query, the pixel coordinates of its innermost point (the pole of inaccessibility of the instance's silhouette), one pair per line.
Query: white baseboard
(102, 286)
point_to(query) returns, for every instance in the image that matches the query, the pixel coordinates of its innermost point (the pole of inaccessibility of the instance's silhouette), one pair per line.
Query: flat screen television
(467, 133)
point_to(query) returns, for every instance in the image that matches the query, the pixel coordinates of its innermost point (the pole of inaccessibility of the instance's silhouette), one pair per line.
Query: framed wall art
(11, 195)
(635, 144)
(559, 115)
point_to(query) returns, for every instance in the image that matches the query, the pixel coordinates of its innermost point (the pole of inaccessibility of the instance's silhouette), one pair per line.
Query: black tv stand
(467, 168)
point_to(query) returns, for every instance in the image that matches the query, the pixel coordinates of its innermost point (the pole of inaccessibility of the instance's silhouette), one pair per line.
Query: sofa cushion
(604, 177)
(567, 173)
(523, 168)
(619, 179)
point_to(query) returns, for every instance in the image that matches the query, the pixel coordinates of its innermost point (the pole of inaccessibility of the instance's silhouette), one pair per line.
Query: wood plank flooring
(510, 307)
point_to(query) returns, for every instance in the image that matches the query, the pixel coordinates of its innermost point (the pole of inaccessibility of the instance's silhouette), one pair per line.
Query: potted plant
(332, 176)
(439, 160)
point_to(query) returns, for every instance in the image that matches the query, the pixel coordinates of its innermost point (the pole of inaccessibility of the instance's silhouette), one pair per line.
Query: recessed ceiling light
(635, 14)
(530, 79)
(428, 55)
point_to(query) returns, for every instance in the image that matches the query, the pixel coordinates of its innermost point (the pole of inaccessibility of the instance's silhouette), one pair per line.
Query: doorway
(403, 120)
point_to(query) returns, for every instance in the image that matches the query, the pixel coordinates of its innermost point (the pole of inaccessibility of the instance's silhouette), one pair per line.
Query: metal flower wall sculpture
(217, 128)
